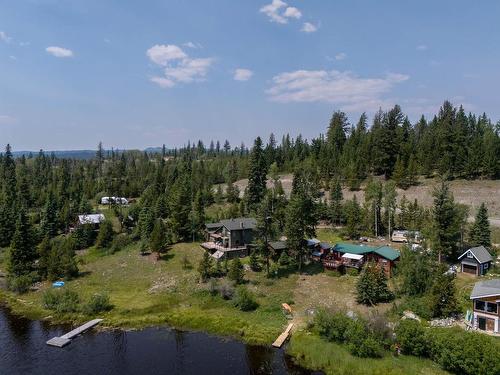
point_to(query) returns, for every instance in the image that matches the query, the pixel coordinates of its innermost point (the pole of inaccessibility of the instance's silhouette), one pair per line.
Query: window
(469, 255)
(489, 307)
(480, 305)
(485, 266)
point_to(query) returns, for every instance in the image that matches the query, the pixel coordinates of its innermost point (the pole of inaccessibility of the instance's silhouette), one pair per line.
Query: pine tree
(236, 271)
(205, 267)
(49, 223)
(480, 234)
(257, 176)
(443, 294)
(7, 223)
(372, 286)
(22, 248)
(353, 218)
(158, 240)
(146, 223)
(446, 222)
(254, 261)
(336, 198)
(399, 175)
(301, 216)
(105, 236)
(389, 200)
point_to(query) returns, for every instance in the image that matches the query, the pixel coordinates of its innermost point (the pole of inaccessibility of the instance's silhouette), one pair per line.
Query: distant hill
(70, 154)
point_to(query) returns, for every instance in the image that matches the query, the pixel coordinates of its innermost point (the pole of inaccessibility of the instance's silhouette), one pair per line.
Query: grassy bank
(312, 352)
(146, 293)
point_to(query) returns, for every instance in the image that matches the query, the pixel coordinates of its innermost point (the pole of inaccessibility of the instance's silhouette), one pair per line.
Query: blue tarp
(58, 284)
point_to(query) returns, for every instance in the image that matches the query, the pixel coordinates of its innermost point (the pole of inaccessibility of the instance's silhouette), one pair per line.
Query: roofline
(486, 295)
(474, 255)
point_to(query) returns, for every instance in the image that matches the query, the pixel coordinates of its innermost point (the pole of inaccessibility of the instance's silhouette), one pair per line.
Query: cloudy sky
(142, 73)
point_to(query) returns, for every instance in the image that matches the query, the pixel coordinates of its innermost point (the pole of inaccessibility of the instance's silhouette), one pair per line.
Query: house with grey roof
(477, 260)
(486, 305)
(230, 237)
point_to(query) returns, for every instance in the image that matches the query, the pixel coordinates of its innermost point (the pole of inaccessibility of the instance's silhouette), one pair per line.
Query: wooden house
(229, 238)
(476, 261)
(486, 305)
(355, 256)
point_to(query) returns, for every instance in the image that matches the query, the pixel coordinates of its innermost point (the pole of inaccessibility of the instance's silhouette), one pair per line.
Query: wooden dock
(283, 337)
(66, 339)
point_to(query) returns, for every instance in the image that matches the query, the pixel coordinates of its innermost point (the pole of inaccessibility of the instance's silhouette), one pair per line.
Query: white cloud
(192, 45)
(59, 51)
(163, 82)
(189, 70)
(340, 56)
(308, 27)
(162, 54)
(421, 47)
(344, 89)
(242, 74)
(292, 12)
(178, 66)
(7, 120)
(4, 37)
(278, 11)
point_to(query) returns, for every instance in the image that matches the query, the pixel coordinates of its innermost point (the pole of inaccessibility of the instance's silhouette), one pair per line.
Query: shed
(93, 219)
(477, 260)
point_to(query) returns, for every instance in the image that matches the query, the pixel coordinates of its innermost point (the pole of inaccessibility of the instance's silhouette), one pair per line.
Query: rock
(410, 315)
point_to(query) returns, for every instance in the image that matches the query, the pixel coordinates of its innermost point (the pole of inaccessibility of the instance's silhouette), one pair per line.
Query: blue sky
(135, 74)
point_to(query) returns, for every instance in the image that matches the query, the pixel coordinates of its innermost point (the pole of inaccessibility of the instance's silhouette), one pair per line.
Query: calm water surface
(150, 351)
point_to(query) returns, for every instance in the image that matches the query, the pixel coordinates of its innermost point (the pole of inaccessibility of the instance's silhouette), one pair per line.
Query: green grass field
(312, 352)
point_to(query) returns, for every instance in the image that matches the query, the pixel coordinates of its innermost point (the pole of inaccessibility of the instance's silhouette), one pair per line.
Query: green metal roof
(387, 252)
(384, 251)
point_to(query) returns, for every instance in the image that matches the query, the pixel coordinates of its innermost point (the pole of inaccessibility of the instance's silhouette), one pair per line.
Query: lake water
(149, 351)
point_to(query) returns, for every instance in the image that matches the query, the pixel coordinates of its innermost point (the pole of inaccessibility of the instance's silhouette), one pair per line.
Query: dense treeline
(41, 195)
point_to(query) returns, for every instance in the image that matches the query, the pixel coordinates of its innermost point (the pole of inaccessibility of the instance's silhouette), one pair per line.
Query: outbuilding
(476, 261)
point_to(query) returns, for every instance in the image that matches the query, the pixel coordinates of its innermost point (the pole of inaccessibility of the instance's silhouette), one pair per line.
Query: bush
(254, 262)
(62, 301)
(236, 271)
(463, 352)
(98, 303)
(226, 290)
(362, 338)
(410, 335)
(119, 242)
(186, 264)
(244, 299)
(332, 326)
(105, 236)
(352, 272)
(274, 270)
(20, 284)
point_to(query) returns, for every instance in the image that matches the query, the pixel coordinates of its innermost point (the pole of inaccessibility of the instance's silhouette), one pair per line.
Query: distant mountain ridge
(77, 154)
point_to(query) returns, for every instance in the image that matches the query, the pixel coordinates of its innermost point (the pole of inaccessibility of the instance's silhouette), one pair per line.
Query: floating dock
(66, 339)
(283, 337)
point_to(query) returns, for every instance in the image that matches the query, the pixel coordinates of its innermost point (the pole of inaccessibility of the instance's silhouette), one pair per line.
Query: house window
(480, 305)
(485, 266)
(491, 307)
(469, 255)
(486, 306)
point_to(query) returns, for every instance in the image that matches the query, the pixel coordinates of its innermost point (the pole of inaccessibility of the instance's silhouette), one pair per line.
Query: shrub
(332, 326)
(411, 337)
(98, 303)
(463, 352)
(352, 272)
(213, 286)
(244, 299)
(105, 236)
(274, 270)
(20, 284)
(236, 271)
(119, 242)
(367, 347)
(186, 264)
(62, 301)
(333, 273)
(226, 290)
(254, 262)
